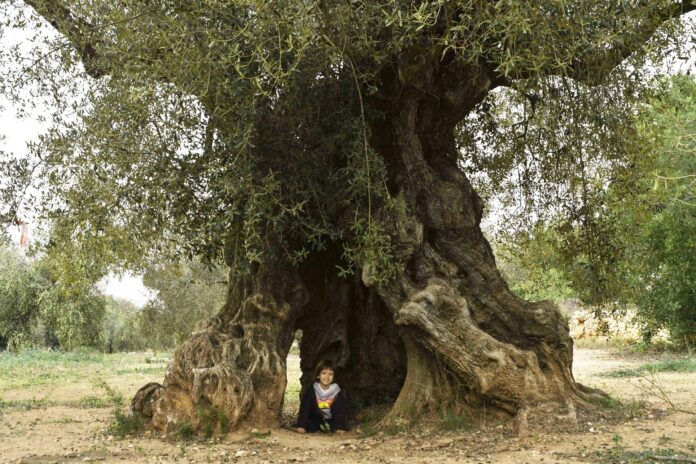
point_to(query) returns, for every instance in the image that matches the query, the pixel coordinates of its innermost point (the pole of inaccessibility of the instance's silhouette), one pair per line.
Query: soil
(64, 434)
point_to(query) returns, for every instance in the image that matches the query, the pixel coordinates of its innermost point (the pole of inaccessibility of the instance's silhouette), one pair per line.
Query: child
(323, 405)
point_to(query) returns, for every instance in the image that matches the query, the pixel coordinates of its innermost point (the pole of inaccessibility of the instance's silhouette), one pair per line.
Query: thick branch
(79, 32)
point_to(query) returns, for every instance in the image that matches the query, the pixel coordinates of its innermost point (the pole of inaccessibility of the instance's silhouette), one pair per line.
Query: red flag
(24, 231)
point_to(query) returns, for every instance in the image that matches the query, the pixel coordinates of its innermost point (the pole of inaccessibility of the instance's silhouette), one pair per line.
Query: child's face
(326, 377)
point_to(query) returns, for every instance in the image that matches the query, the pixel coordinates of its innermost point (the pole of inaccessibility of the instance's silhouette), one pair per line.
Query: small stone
(254, 430)
(241, 454)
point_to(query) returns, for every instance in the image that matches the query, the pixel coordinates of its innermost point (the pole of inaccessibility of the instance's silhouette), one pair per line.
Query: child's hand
(301, 430)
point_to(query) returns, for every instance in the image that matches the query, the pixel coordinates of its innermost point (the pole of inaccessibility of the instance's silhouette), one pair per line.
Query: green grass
(125, 424)
(38, 368)
(85, 402)
(684, 365)
(619, 455)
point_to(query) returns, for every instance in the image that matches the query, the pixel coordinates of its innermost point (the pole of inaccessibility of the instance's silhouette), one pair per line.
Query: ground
(58, 408)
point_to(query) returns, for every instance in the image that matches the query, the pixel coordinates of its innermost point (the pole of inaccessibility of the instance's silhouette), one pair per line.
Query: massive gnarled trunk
(445, 335)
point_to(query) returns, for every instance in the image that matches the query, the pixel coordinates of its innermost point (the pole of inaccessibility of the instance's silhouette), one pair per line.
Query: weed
(113, 396)
(213, 419)
(261, 435)
(452, 421)
(126, 424)
(185, 432)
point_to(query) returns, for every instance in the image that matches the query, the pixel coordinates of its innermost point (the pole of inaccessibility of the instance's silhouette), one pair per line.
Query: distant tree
(20, 288)
(647, 227)
(186, 294)
(660, 214)
(121, 327)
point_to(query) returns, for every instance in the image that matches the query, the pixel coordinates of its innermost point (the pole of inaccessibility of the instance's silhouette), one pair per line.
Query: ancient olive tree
(325, 150)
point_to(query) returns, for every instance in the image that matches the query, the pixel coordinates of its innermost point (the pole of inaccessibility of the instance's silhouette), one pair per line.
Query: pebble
(241, 454)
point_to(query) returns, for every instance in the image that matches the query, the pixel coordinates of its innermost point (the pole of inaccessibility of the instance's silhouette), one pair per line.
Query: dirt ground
(61, 433)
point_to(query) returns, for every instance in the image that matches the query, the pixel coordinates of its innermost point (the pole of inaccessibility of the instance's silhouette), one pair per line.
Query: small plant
(126, 424)
(453, 421)
(185, 431)
(113, 396)
(213, 419)
(261, 435)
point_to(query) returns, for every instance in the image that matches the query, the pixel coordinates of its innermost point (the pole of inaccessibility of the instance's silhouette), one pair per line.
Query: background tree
(322, 149)
(20, 288)
(186, 293)
(645, 256)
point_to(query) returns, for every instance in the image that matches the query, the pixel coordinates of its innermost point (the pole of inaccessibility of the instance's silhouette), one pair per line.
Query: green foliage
(187, 292)
(638, 246)
(229, 128)
(125, 424)
(532, 268)
(212, 420)
(20, 289)
(185, 431)
(50, 301)
(122, 327)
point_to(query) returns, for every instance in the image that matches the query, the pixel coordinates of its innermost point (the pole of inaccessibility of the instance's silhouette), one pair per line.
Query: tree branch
(595, 66)
(79, 32)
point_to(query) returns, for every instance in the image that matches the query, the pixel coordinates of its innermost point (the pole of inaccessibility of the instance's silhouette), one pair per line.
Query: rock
(241, 454)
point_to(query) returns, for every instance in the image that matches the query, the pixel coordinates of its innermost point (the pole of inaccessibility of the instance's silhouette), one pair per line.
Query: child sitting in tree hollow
(324, 404)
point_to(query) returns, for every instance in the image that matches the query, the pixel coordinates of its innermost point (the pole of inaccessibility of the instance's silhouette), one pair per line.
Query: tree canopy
(237, 124)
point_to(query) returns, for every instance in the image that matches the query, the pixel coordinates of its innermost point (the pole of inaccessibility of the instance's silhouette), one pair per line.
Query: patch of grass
(155, 370)
(185, 431)
(38, 368)
(213, 420)
(125, 424)
(26, 405)
(452, 421)
(90, 402)
(629, 408)
(620, 455)
(684, 365)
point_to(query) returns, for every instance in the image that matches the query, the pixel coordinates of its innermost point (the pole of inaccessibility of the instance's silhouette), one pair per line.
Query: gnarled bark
(234, 365)
(469, 339)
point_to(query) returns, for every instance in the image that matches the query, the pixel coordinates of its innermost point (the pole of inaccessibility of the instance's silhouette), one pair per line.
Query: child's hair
(324, 365)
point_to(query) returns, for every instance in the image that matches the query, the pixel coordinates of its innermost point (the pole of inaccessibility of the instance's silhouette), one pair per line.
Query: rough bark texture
(469, 339)
(347, 323)
(234, 366)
